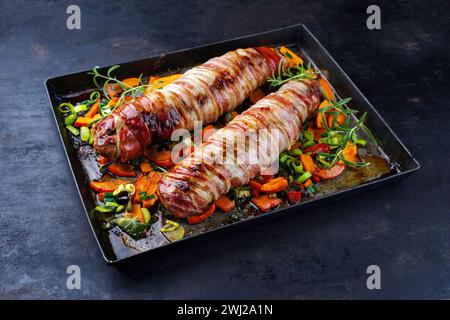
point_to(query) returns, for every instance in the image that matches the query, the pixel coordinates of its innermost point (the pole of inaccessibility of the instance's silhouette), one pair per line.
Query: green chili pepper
(304, 177)
(70, 119)
(73, 130)
(146, 215)
(169, 226)
(84, 133)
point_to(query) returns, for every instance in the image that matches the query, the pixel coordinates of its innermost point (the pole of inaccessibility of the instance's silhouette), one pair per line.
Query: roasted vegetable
(132, 227)
(275, 185)
(122, 170)
(266, 203)
(199, 218)
(225, 204)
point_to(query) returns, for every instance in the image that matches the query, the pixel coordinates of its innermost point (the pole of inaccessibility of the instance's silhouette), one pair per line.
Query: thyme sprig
(286, 74)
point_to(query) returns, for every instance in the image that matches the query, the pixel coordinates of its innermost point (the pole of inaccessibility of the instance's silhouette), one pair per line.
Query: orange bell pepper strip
(308, 163)
(135, 213)
(275, 185)
(146, 167)
(327, 174)
(326, 89)
(123, 170)
(162, 158)
(93, 110)
(225, 204)
(101, 196)
(151, 195)
(293, 60)
(131, 82)
(105, 186)
(350, 153)
(265, 203)
(199, 218)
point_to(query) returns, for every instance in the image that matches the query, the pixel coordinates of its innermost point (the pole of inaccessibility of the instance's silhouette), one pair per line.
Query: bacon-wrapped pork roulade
(199, 179)
(202, 93)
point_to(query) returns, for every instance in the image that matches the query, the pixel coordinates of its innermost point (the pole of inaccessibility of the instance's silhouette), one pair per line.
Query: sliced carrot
(326, 89)
(123, 170)
(158, 83)
(131, 82)
(151, 195)
(140, 187)
(320, 115)
(225, 204)
(93, 110)
(135, 213)
(199, 218)
(350, 153)
(82, 121)
(293, 60)
(162, 158)
(275, 185)
(308, 163)
(145, 167)
(105, 186)
(308, 183)
(326, 174)
(265, 203)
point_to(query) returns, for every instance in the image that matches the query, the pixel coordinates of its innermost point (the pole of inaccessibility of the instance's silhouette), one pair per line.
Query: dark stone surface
(404, 228)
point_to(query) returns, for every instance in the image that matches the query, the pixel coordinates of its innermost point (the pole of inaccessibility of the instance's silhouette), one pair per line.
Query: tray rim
(286, 210)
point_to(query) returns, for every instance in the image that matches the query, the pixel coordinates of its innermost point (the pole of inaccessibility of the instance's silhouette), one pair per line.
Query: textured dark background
(404, 228)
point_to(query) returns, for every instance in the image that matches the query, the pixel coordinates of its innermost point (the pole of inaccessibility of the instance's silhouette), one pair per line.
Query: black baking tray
(299, 37)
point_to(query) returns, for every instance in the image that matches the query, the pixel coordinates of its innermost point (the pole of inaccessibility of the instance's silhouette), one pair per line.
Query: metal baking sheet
(299, 38)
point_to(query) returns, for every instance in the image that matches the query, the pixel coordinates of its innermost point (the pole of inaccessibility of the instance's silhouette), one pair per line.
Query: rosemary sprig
(291, 73)
(108, 78)
(342, 133)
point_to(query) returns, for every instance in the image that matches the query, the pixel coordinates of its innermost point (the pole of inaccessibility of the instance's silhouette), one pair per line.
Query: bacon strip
(203, 93)
(202, 177)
